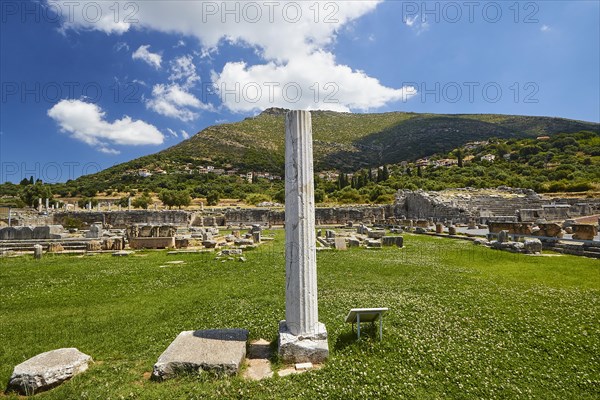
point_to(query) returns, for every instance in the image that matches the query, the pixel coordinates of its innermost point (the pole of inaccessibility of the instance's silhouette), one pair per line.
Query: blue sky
(86, 85)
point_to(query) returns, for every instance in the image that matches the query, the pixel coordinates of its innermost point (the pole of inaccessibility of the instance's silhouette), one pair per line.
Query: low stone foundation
(152, 243)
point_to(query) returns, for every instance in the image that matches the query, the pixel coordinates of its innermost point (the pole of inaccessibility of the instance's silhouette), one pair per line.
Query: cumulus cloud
(309, 29)
(184, 134)
(173, 100)
(299, 83)
(143, 54)
(183, 69)
(86, 122)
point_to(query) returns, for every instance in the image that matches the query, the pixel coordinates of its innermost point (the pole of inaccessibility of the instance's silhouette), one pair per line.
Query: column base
(312, 348)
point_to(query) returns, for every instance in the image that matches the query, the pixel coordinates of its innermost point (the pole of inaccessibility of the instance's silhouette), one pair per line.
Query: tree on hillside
(213, 197)
(175, 198)
(459, 156)
(31, 193)
(142, 202)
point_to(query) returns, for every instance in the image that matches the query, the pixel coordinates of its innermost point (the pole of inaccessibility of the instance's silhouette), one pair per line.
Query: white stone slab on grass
(218, 350)
(47, 370)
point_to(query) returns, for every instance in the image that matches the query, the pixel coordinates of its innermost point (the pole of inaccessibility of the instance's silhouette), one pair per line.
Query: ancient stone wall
(123, 219)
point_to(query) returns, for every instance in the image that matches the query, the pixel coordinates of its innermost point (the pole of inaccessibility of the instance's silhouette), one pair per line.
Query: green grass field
(464, 321)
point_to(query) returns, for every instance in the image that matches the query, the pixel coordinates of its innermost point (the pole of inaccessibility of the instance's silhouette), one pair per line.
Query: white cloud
(180, 43)
(183, 69)
(86, 123)
(285, 34)
(184, 134)
(172, 132)
(417, 24)
(545, 28)
(152, 59)
(175, 101)
(121, 45)
(336, 87)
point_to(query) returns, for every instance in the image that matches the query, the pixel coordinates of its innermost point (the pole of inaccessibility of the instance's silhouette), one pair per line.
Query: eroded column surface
(301, 309)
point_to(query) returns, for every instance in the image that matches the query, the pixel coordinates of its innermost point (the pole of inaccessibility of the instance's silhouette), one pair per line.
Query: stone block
(339, 243)
(388, 241)
(300, 349)
(23, 233)
(218, 350)
(152, 243)
(8, 233)
(532, 246)
(55, 248)
(373, 243)
(182, 243)
(94, 245)
(353, 242)
(584, 231)
(376, 234)
(47, 370)
(503, 236)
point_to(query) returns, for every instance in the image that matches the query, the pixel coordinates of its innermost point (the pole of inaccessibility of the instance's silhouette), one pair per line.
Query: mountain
(343, 141)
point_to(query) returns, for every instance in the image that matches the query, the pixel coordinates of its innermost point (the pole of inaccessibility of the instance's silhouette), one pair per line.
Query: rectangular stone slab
(218, 350)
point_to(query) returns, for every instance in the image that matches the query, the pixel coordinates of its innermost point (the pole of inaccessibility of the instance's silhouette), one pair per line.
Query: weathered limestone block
(388, 241)
(218, 350)
(23, 233)
(47, 232)
(95, 231)
(339, 243)
(209, 244)
(439, 228)
(503, 236)
(353, 242)
(376, 234)
(303, 348)
(532, 246)
(452, 230)
(182, 243)
(145, 231)
(55, 248)
(584, 231)
(373, 243)
(549, 229)
(152, 243)
(94, 245)
(8, 233)
(47, 370)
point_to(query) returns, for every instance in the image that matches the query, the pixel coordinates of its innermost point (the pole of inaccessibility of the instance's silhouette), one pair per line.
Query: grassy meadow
(464, 322)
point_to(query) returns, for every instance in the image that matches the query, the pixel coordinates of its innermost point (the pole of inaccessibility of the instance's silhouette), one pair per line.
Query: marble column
(302, 338)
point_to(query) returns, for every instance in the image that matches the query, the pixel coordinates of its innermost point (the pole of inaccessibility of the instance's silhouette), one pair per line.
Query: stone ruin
(360, 236)
(513, 205)
(546, 229)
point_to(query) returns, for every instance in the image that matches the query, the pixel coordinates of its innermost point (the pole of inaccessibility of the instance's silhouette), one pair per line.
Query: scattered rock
(47, 370)
(218, 350)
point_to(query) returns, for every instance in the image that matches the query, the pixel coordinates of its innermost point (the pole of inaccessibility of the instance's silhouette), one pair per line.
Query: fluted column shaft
(301, 310)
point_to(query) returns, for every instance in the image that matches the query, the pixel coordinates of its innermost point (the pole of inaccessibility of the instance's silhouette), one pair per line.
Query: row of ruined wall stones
(579, 231)
(125, 219)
